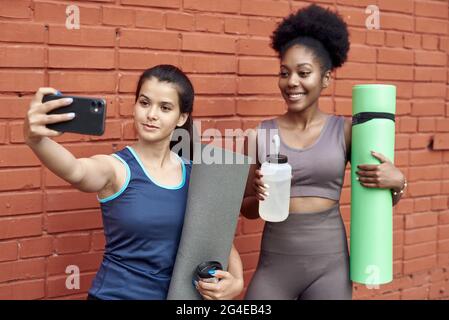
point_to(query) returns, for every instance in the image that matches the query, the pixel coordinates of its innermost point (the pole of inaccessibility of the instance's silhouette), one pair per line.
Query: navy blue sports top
(142, 225)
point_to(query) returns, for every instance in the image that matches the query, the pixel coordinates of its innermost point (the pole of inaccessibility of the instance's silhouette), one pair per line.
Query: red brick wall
(224, 46)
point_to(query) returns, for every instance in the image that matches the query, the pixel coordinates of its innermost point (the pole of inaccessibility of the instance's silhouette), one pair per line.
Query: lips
(149, 126)
(295, 96)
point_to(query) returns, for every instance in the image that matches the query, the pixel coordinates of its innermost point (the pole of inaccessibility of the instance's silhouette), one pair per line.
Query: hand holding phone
(90, 115)
(50, 114)
(34, 127)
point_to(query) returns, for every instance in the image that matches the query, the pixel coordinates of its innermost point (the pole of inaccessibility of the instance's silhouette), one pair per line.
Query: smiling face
(300, 78)
(157, 111)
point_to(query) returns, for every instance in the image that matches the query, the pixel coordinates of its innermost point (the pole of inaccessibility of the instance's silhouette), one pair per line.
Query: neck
(305, 118)
(157, 153)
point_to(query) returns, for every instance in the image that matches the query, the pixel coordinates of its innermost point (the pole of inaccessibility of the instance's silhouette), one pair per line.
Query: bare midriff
(310, 204)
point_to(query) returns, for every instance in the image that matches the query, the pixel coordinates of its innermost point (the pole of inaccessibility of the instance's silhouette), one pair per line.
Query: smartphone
(90, 115)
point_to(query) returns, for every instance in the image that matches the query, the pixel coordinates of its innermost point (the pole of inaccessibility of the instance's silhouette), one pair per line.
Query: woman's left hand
(226, 288)
(383, 175)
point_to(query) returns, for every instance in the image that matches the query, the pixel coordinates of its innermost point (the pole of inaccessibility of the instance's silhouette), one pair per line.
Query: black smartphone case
(90, 115)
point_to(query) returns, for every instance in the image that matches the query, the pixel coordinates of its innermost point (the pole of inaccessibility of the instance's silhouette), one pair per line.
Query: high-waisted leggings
(304, 257)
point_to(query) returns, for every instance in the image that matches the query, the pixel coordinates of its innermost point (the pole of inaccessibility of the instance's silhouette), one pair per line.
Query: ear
(182, 119)
(325, 82)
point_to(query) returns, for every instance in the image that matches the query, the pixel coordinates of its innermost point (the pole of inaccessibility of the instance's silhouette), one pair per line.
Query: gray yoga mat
(212, 210)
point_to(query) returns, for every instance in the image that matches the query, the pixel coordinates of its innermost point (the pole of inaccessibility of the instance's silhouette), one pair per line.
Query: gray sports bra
(318, 170)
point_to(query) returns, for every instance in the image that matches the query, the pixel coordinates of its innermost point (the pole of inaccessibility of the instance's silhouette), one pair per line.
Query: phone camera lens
(95, 107)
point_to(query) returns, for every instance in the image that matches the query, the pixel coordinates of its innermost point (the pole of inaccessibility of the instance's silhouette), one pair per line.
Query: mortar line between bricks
(117, 77)
(237, 66)
(42, 168)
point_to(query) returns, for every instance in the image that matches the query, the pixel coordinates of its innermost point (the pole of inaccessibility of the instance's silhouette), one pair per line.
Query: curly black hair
(317, 28)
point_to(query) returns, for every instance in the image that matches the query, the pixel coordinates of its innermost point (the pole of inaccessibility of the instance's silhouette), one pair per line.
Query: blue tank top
(142, 226)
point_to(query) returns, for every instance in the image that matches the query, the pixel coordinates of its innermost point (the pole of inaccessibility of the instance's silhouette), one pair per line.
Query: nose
(152, 113)
(293, 80)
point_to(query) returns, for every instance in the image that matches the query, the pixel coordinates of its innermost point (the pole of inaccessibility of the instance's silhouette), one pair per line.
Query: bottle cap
(202, 270)
(277, 158)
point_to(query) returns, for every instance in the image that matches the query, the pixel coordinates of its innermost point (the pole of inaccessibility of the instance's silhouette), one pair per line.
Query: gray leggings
(304, 257)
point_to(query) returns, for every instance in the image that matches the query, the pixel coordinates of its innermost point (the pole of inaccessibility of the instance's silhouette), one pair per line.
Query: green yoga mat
(373, 128)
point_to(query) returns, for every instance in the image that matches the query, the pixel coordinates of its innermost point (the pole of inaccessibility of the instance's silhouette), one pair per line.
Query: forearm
(250, 207)
(57, 158)
(235, 266)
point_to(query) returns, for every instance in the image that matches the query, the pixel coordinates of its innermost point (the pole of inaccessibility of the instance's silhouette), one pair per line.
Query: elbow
(250, 216)
(250, 208)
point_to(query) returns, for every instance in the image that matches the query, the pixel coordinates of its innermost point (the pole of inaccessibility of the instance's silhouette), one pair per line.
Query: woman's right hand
(34, 128)
(260, 188)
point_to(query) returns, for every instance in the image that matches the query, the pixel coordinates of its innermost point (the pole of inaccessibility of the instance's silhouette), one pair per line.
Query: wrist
(30, 141)
(239, 284)
(238, 281)
(401, 188)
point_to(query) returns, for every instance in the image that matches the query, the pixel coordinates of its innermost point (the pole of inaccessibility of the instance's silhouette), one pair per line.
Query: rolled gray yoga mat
(212, 210)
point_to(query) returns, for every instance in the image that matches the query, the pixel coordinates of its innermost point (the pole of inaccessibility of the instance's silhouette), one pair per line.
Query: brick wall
(223, 45)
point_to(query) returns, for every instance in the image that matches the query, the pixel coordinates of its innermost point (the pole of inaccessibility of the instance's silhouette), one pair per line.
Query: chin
(151, 137)
(296, 107)
(148, 136)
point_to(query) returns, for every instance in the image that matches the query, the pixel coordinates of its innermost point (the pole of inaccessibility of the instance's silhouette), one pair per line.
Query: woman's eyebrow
(164, 101)
(303, 64)
(298, 65)
(167, 102)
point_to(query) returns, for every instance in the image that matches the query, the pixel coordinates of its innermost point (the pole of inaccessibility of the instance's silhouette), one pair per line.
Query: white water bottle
(277, 174)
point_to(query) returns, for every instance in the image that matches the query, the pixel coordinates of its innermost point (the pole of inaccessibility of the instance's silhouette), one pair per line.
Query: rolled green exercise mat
(373, 128)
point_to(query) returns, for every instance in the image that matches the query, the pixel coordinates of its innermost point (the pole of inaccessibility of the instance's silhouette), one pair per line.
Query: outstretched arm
(86, 174)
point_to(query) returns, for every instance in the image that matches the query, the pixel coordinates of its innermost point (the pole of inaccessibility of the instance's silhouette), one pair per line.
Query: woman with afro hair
(306, 256)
